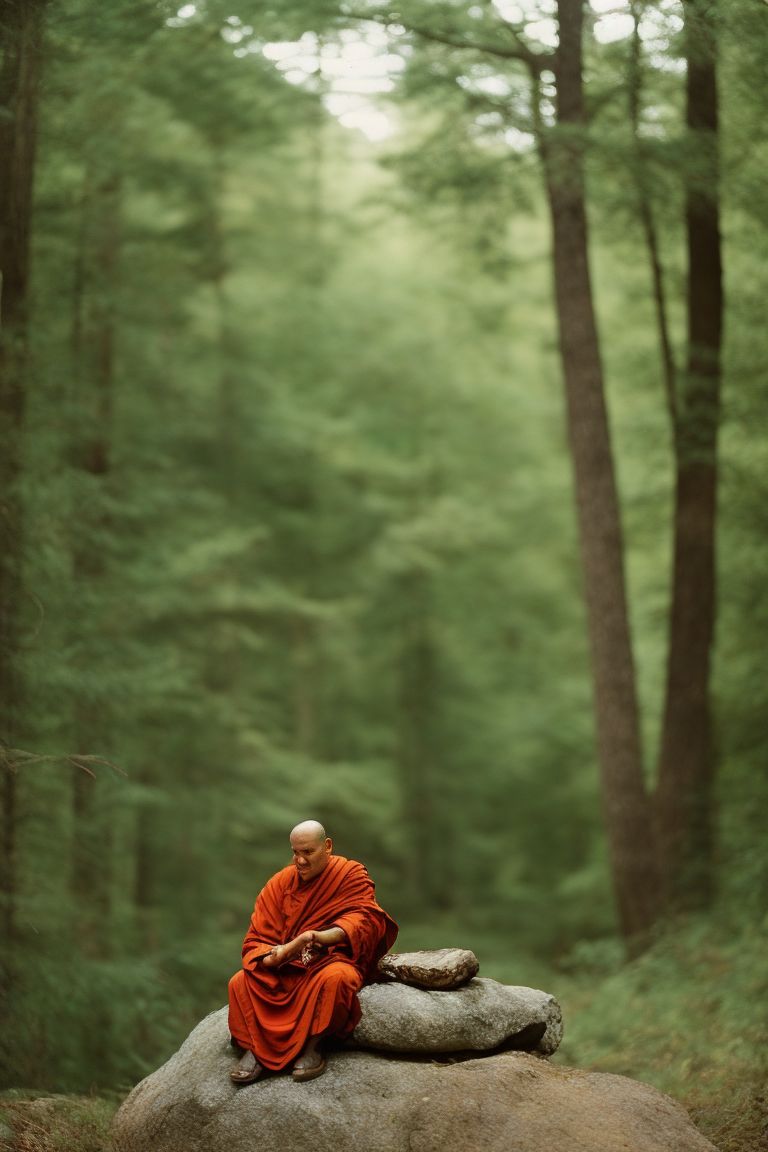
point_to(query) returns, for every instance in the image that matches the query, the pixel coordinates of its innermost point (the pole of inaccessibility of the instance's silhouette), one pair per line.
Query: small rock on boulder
(480, 1016)
(440, 969)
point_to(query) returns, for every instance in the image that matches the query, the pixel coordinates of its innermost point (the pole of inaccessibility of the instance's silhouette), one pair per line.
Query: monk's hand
(282, 953)
(310, 947)
(276, 957)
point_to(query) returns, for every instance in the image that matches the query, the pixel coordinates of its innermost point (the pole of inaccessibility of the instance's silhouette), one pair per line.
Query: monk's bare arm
(284, 952)
(327, 936)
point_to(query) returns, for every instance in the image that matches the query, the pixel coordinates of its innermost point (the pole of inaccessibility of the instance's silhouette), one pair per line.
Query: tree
(628, 815)
(21, 28)
(686, 760)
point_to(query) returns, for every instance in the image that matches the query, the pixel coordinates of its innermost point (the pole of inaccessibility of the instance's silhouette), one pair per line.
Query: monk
(316, 937)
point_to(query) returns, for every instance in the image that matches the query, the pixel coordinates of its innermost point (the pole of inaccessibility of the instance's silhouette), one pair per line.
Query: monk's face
(310, 855)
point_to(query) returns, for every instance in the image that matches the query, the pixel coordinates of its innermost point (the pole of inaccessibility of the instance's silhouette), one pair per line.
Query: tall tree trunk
(303, 651)
(626, 806)
(147, 849)
(93, 342)
(93, 353)
(227, 395)
(647, 221)
(423, 785)
(415, 690)
(684, 795)
(20, 39)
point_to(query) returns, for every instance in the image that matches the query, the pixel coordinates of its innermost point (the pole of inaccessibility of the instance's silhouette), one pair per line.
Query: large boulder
(482, 1015)
(512, 1102)
(439, 968)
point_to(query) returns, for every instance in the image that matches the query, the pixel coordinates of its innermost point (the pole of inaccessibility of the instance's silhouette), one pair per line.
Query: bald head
(309, 828)
(311, 849)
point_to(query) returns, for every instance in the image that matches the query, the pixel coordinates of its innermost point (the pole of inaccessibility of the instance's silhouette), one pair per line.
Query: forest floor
(689, 1017)
(36, 1123)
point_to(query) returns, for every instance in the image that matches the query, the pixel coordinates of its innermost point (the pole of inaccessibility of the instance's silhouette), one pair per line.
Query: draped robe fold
(273, 1011)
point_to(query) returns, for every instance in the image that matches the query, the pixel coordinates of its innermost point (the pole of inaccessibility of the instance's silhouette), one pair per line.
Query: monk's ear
(328, 844)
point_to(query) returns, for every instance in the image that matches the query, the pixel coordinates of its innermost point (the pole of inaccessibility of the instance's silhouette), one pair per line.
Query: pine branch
(519, 51)
(14, 758)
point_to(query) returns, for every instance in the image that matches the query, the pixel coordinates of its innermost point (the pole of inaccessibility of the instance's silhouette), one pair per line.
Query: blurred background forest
(299, 519)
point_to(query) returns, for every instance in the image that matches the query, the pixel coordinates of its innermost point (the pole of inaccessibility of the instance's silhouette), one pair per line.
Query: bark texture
(626, 805)
(421, 781)
(20, 37)
(93, 344)
(687, 756)
(643, 185)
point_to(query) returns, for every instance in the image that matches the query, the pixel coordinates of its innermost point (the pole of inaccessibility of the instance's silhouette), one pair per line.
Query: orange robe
(273, 1011)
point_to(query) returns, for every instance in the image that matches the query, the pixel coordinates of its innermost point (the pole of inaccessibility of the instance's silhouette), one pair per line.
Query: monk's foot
(248, 1069)
(309, 1065)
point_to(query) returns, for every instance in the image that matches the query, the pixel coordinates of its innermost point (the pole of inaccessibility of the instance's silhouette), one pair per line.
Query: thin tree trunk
(93, 343)
(626, 806)
(20, 38)
(303, 650)
(147, 843)
(416, 673)
(93, 347)
(647, 221)
(686, 762)
(144, 882)
(226, 336)
(8, 882)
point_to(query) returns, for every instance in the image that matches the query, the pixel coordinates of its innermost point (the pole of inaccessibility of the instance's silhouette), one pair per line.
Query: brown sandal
(248, 1070)
(311, 1073)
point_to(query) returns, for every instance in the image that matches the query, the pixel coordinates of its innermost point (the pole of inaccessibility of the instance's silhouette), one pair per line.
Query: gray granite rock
(367, 1102)
(440, 968)
(482, 1015)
